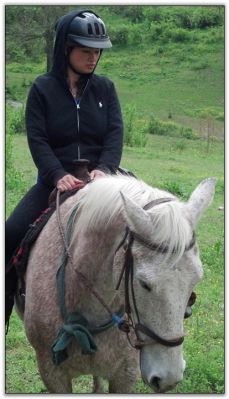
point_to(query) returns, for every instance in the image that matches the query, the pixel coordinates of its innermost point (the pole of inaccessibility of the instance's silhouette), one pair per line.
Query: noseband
(128, 273)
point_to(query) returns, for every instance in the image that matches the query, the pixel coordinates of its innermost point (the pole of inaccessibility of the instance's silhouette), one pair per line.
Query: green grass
(178, 164)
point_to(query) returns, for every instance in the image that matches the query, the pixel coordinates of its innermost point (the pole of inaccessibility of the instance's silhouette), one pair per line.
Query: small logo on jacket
(100, 105)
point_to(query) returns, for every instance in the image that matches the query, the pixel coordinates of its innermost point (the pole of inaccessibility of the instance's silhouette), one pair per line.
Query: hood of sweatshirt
(59, 57)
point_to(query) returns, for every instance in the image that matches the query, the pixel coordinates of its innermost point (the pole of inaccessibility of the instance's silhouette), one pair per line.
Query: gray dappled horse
(129, 244)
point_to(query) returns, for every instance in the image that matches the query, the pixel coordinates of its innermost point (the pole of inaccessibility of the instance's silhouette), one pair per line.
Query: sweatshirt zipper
(77, 102)
(78, 127)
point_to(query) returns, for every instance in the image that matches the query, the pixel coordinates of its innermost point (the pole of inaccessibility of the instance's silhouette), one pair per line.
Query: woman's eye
(144, 285)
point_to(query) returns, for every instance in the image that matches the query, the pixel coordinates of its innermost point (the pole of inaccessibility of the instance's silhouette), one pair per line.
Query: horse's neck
(94, 258)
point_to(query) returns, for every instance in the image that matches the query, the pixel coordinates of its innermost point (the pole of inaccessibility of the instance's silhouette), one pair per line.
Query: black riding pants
(28, 209)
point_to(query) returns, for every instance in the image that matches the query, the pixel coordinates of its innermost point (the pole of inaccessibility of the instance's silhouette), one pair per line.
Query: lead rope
(117, 319)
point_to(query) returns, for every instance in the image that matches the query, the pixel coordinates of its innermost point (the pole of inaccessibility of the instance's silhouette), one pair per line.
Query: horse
(131, 262)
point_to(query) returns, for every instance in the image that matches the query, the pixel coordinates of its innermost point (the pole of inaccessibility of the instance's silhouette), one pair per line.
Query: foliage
(34, 25)
(9, 144)
(119, 35)
(133, 13)
(175, 188)
(205, 113)
(135, 132)
(205, 18)
(14, 178)
(15, 120)
(163, 128)
(30, 31)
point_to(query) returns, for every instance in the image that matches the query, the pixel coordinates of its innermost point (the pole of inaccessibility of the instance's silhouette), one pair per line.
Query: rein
(75, 324)
(83, 278)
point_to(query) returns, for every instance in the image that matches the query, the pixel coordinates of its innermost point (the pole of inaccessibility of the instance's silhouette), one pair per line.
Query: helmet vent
(89, 29)
(96, 28)
(103, 30)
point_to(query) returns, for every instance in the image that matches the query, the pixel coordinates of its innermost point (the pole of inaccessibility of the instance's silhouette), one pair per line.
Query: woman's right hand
(68, 182)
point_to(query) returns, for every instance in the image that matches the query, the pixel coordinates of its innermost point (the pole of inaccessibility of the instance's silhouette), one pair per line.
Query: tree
(30, 31)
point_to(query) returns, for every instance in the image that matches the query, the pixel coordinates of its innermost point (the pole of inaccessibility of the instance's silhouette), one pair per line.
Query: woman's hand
(96, 174)
(68, 182)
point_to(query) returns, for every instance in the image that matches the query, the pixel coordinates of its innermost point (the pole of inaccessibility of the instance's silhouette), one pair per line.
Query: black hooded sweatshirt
(59, 131)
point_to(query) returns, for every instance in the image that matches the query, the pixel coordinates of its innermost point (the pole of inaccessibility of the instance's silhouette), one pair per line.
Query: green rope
(75, 325)
(73, 328)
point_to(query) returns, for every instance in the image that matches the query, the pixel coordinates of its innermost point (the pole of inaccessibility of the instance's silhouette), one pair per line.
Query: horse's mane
(101, 203)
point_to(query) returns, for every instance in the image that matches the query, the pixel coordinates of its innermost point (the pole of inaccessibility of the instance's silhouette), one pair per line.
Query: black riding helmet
(77, 29)
(87, 29)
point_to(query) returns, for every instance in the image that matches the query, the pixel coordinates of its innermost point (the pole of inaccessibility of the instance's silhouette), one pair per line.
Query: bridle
(127, 273)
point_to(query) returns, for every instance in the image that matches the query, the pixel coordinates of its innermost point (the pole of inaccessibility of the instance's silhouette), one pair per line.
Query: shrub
(119, 35)
(153, 13)
(135, 130)
(139, 138)
(206, 17)
(187, 132)
(220, 116)
(162, 128)
(175, 188)
(129, 113)
(135, 13)
(135, 36)
(8, 148)
(184, 18)
(13, 177)
(15, 119)
(155, 31)
(180, 35)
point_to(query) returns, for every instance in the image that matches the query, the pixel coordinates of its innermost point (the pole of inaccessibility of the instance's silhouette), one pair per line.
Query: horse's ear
(136, 218)
(201, 198)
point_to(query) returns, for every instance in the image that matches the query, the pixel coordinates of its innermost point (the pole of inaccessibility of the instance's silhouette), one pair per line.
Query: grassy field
(178, 165)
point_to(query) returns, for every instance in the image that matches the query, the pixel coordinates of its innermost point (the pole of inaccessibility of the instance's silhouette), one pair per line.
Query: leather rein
(128, 273)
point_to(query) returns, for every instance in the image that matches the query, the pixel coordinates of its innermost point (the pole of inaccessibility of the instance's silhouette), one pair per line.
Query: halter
(128, 272)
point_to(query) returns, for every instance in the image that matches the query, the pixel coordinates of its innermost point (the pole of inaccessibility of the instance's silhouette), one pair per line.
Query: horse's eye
(144, 285)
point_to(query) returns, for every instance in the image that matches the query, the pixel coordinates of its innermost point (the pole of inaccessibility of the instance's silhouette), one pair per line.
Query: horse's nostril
(155, 382)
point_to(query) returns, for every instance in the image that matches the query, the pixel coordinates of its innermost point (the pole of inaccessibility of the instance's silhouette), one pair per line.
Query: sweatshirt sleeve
(49, 167)
(113, 141)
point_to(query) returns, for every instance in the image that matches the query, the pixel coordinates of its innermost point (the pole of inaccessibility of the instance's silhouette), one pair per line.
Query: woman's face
(84, 59)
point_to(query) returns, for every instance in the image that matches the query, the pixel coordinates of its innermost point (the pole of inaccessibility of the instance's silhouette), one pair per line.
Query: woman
(71, 114)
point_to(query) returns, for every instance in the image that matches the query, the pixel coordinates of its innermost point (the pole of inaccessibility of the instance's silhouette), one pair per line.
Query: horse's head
(166, 267)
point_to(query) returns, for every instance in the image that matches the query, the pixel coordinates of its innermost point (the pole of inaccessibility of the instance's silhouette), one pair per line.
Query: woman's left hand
(96, 174)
